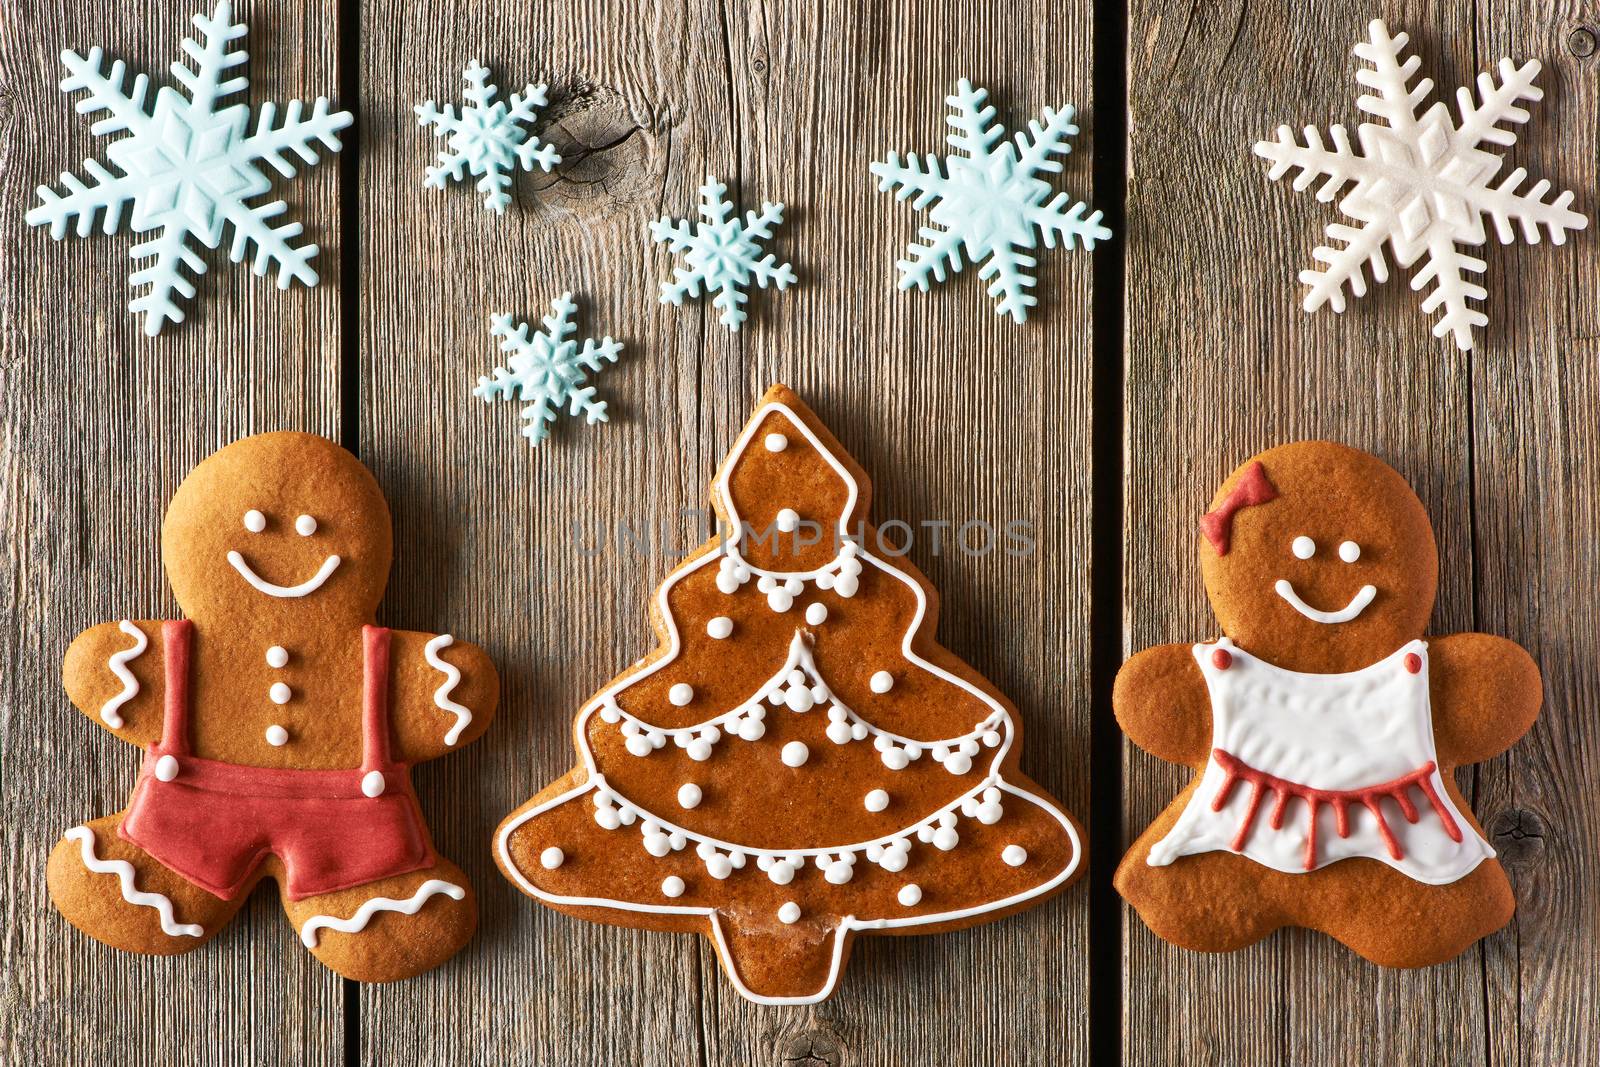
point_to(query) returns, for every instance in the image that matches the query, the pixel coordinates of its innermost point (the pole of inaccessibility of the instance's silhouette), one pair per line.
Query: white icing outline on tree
(549, 369)
(486, 137)
(596, 782)
(991, 203)
(188, 168)
(1421, 184)
(721, 254)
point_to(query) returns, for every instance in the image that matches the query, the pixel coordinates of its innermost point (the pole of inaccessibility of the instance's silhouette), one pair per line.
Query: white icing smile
(311, 585)
(1357, 605)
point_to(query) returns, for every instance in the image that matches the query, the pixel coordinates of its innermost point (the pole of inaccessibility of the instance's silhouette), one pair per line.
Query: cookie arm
(1485, 691)
(443, 693)
(114, 673)
(1162, 705)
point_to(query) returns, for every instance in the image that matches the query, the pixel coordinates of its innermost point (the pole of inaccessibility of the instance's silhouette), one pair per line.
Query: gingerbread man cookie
(279, 727)
(799, 761)
(1323, 728)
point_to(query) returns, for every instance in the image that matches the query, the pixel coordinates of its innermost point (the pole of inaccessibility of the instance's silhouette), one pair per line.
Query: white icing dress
(1309, 769)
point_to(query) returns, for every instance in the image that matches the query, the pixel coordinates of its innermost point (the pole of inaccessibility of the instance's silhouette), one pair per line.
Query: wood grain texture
(1498, 443)
(101, 423)
(956, 414)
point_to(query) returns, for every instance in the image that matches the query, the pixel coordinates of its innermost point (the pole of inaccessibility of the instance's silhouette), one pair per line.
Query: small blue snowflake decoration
(549, 369)
(722, 254)
(486, 138)
(992, 202)
(188, 169)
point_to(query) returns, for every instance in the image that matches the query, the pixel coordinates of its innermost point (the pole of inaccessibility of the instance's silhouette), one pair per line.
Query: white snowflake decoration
(722, 254)
(487, 138)
(188, 169)
(549, 369)
(991, 203)
(1422, 184)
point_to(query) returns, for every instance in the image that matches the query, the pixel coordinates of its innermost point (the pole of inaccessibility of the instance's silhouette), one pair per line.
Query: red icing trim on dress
(1282, 789)
(1253, 489)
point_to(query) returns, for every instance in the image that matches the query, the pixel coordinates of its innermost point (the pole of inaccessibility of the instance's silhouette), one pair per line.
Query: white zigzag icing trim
(124, 872)
(452, 678)
(358, 922)
(118, 664)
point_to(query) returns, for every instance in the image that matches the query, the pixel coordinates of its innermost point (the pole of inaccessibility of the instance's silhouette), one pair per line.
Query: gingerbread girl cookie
(279, 727)
(799, 761)
(1323, 728)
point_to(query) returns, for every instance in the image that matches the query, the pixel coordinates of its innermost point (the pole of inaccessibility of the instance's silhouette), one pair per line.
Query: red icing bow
(1253, 488)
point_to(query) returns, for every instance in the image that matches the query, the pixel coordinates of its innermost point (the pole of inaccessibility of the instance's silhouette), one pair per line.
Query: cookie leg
(390, 929)
(1209, 902)
(1396, 921)
(117, 893)
(775, 962)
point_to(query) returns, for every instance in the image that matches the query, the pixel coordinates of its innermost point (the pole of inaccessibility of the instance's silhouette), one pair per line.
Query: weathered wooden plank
(957, 414)
(101, 423)
(1221, 363)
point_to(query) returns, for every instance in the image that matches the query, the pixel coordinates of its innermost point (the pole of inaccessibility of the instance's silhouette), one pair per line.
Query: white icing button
(672, 886)
(254, 521)
(720, 627)
(1303, 547)
(910, 894)
(167, 768)
(788, 520)
(280, 693)
(277, 736)
(372, 783)
(795, 753)
(776, 442)
(680, 694)
(790, 912)
(1014, 855)
(689, 795)
(551, 858)
(1349, 551)
(877, 800)
(277, 656)
(882, 682)
(305, 526)
(817, 614)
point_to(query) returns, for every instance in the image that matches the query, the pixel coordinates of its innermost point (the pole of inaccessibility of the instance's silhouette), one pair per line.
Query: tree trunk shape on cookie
(799, 760)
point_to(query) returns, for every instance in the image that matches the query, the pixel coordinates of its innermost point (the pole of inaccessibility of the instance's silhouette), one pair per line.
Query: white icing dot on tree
(277, 736)
(776, 442)
(672, 886)
(277, 656)
(1014, 855)
(254, 521)
(788, 520)
(305, 526)
(789, 913)
(680, 694)
(795, 754)
(817, 614)
(882, 682)
(551, 858)
(280, 693)
(910, 894)
(877, 800)
(720, 627)
(689, 795)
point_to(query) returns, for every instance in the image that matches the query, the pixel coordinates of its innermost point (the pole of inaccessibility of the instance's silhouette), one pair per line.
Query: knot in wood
(811, 1048)
(1581, 42)
(1518, 835)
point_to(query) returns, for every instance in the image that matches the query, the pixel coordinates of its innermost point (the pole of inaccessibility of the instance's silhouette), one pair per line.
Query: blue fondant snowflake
(549, 369)
(721, 254)
(487, 138)
(991, 203)
(188, 169)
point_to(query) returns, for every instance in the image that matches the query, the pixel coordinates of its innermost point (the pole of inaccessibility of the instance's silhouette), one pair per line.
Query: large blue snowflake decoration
(487, 138)
(188, 168)
(991, 201)
(722, 254)
(549, 369)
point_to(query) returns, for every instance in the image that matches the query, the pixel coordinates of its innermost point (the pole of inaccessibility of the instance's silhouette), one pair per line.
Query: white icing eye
(254, 521)
(788, 520)
(1303, 547)
(305, 526)
(1349, 551)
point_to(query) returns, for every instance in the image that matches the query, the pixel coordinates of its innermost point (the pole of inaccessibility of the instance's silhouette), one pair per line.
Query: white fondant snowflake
(992, 201)
(1422, 183)
(188, 168)
(722, 254)
(549, 369)
(486, 137)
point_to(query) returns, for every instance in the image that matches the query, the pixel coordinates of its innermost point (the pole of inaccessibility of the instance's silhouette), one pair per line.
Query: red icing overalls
(214, 823)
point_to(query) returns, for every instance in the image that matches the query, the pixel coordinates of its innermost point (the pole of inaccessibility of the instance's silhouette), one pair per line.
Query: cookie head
(1319, 558)
(277, 524)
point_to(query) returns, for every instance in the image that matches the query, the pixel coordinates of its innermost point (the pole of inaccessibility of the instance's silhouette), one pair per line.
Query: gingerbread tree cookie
(279, 727)
(1322, 727)
(799, 761)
